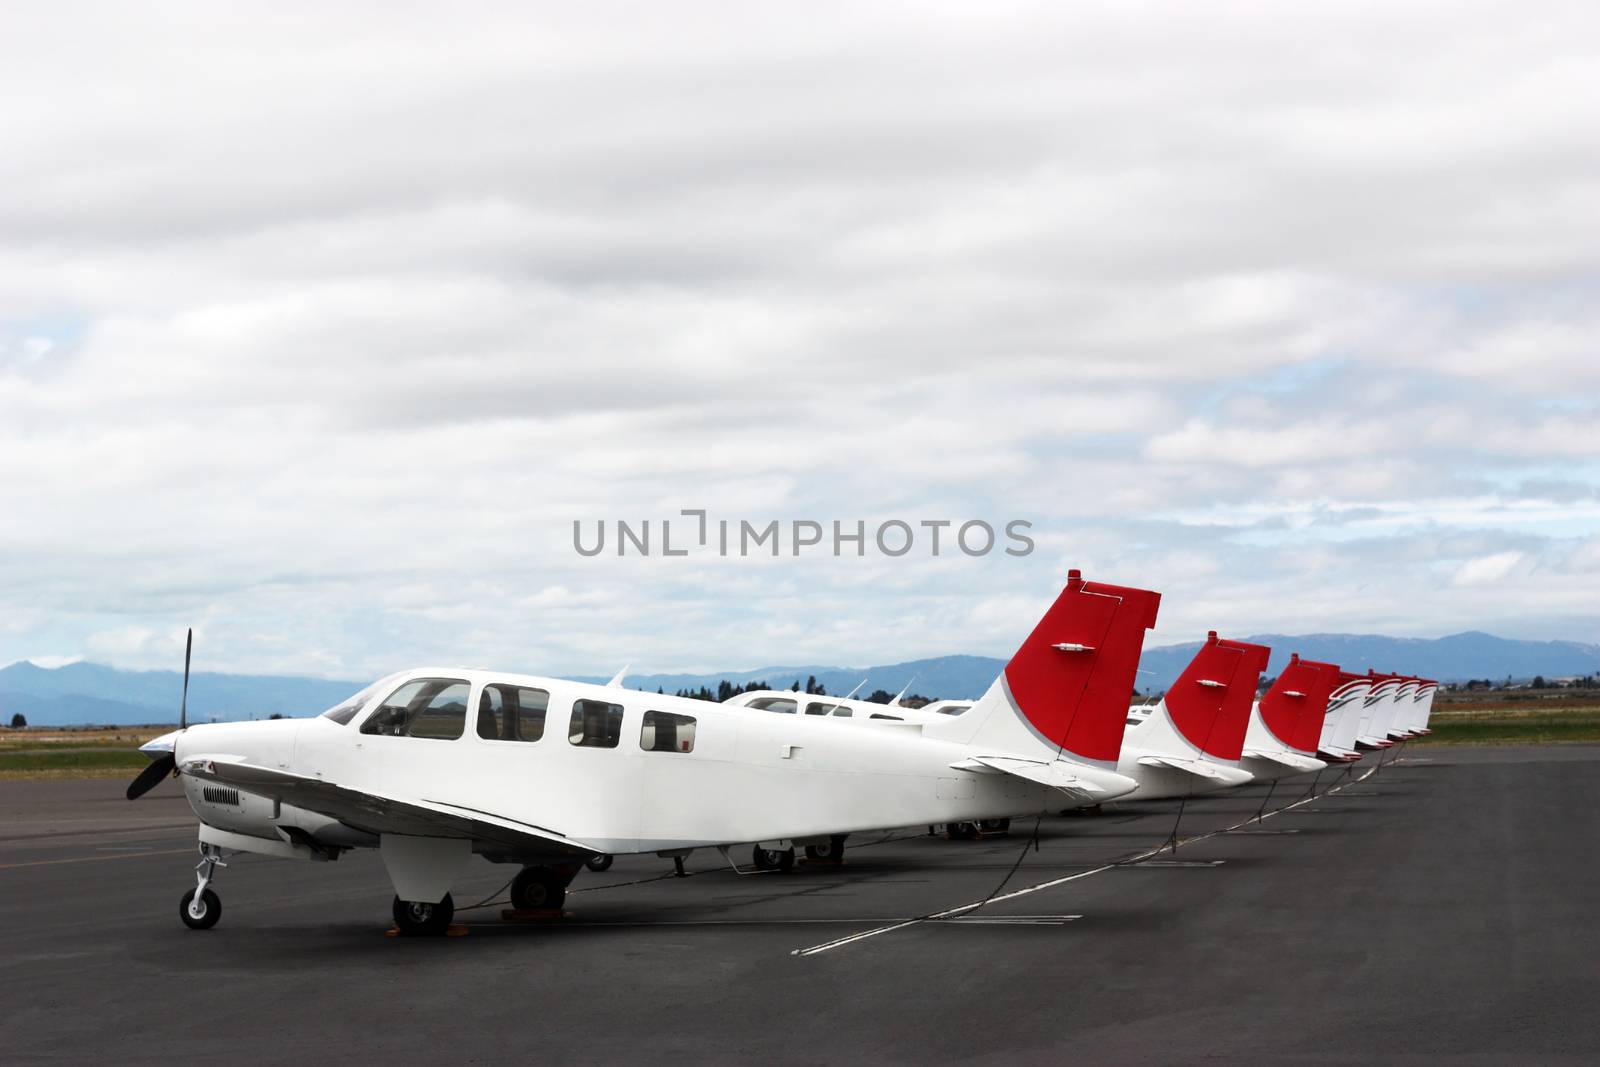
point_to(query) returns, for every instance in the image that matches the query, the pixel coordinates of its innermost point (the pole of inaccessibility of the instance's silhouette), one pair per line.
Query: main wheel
(537, 889)
(602, 862)
(833, 851)
(773, 859)
(994, 826)
(418, 918)
(202, 914)
(962, 831)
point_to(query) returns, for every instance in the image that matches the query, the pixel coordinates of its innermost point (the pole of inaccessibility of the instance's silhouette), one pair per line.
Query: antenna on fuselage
(896, 701)
(856, 690)
(616, 679)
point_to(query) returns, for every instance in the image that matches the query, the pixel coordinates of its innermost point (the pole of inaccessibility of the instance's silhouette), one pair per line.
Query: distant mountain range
(91, 693)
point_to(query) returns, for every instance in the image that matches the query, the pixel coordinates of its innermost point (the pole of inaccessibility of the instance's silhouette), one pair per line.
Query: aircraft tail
(1295, 708)
(1227, 737)
(1346, 709)
(1066, 689)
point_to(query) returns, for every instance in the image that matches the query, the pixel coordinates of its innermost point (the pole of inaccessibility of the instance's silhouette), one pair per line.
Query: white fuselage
(747, 776)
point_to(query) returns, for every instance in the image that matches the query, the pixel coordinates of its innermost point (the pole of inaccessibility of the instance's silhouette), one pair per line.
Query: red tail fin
(1294, 707)
(1210, 702)
(1227, 736)
(1073, 677)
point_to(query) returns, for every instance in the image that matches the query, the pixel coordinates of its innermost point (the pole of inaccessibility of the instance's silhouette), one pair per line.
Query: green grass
(57, 758)
(1501, 727)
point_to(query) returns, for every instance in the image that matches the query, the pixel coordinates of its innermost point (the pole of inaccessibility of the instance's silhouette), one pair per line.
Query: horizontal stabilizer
(377, 814)
(1057, 774)
(1287, 759)
(1200, 768)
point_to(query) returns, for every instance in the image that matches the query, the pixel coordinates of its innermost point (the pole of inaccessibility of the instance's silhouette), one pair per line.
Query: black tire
(599, 863)
(210, 910)
(833, 851)
(994, 826)
(538, 889)
(773, 859)
(417, 918)
(962, 831)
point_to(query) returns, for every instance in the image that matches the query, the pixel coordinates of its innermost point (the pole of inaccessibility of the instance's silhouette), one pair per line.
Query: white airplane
(1399, 727)
(1342, 725)
(1188, 743)
(1378, 706)
(1192, 740)
(1416, 720)
(1286, 723)
(397, 767)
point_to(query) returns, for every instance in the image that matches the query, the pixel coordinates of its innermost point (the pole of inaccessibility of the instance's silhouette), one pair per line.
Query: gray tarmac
(1439, 910)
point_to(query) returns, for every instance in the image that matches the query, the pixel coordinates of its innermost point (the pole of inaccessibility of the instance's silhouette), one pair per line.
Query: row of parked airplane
(431, 766)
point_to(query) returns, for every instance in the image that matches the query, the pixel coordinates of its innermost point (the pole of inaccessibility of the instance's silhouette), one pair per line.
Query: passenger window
(842, 712)
(512, 713)
(665, 732)
(427, 707)
(595, 724)
(892, 718)
(781, 705)
(817, 708)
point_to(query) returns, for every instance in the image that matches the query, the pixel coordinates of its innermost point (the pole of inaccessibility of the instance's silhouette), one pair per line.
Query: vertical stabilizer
(1296, 706)
(1066, 689)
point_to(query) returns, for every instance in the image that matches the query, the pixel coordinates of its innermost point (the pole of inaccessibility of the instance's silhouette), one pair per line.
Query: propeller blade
(158, 769)
(183, 709)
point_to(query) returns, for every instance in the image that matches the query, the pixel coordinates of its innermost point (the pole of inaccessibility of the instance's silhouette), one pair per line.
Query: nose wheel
(200, 907)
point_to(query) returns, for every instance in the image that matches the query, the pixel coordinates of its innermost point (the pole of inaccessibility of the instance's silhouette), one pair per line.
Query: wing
(378, 814)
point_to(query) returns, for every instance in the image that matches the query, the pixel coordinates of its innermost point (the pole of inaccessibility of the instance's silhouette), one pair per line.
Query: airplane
(1187, 743)
(1342, 725)
(397, 768)
(1286, 723)
(1191, 741)
(1422, 708)
(1378, 705)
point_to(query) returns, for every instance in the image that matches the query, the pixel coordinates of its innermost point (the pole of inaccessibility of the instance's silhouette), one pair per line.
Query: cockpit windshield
(346, 709)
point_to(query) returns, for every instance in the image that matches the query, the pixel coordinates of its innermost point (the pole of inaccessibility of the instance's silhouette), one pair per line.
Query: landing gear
(599, 862)
(961, 831)
(994, 826)
(201, 915)
(772, 859)
(201, 907)
(539, 889)
(832, 852)
(416, 918)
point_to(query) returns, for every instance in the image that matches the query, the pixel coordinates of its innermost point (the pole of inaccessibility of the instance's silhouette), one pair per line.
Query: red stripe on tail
(1073, 676)
(1297, 720)
(1226, 740)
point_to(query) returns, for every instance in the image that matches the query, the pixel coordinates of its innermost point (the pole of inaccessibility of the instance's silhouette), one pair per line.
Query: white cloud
(1486, 570)
(320, 328)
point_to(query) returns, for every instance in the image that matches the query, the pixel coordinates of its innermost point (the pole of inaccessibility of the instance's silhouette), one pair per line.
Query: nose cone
(266, 744)
(160, 746)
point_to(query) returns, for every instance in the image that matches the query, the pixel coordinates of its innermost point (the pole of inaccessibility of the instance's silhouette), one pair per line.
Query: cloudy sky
(319, 330)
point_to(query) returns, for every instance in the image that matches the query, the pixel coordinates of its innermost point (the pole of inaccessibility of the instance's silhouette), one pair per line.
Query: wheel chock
(453, 930)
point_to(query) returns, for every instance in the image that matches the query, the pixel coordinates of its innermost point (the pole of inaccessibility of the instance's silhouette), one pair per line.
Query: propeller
(167, 763)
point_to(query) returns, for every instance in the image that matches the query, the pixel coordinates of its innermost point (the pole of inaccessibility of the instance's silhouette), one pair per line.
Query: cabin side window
(780, 705)
(512, 713)
(665, 732)
(595, 724)
(892, 718)
(816, 707)
(434, 708)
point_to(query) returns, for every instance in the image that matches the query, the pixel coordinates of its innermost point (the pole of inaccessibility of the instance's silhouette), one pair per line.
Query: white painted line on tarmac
(829, 946)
